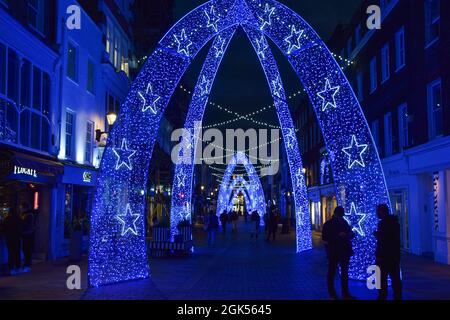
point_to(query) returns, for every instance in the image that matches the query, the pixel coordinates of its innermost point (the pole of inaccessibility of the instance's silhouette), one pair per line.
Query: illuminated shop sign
(87, 177)
(25, 171)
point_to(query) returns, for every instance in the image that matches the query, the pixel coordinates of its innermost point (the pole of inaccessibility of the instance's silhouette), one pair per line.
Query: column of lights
(118, 254)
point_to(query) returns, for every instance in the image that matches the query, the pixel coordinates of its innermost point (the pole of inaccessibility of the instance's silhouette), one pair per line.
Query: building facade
(401, 76)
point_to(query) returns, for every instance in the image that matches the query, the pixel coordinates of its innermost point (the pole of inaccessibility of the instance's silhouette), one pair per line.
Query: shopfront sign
(25, 171)
(87, 177)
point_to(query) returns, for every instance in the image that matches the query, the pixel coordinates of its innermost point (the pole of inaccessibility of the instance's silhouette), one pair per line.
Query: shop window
(77, 209)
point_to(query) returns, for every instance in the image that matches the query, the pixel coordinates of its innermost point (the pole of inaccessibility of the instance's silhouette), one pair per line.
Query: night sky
(240, 84)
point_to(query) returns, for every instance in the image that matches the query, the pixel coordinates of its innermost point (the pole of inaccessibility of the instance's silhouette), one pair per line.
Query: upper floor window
(36, 16)
(89, 142)
(24, 102)
(373, 75)
(435, 110)
(117, 47)
(432, 21)
(70, 130)
(400, 49)
(72, 65)
(388, 134)
(90, 76)
(385, 63)
(403, 126)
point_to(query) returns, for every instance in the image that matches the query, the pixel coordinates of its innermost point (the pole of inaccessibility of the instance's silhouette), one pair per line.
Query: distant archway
(117, 249)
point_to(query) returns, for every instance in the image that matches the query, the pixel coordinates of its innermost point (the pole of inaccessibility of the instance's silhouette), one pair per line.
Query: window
(70, 122)
(376, 133)
(36, 14)
(89, 141)
(373, 75)
(403, 126)
(359, 84)
(385, 70)
(432, 21)
(2, 69)
(90, 76)
(435, 110)
(400, 51)
(388, 134)
(72, 63)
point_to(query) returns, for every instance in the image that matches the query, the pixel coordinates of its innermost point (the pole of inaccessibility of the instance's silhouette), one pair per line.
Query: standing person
(12, 225)
(388, 252)
(28, 231)
(256, 220)
(213, 224)
(234, 221)
(337, 236)
(272, 225)
(224, 220)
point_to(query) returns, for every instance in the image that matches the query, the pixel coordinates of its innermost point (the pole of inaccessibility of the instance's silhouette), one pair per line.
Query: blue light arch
(117, 250)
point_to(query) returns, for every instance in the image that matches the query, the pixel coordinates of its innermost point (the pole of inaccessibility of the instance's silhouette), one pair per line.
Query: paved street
(234, 269)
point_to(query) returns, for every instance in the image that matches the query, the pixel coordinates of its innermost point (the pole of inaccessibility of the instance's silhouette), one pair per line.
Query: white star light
(299, 178)
(219, 46)
(262, 47)
(355, 153)
(266, 18)
(355, 219)
(151, 98)
(183, 43)
(294, 39)
(128, 221)
(291, 138)
(204, 86)
(213, 19)
(277, 87)
(124, 156)
(328, 96)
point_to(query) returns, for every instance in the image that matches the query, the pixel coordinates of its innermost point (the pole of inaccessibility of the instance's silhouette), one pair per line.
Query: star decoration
(262, 47)
(294, 39)
(219, 46)
(213, 19)
(328, 96)
(291, 138)
(181, 179)
(150, 97)
(277, 87)
(299, 178)
(355, 153)
(266, 18)
(128, 221)
(183, 43)
(124, 156)
(355, 219)
(204, 86)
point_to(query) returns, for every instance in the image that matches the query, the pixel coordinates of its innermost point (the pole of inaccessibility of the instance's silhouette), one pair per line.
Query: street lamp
(111, 118)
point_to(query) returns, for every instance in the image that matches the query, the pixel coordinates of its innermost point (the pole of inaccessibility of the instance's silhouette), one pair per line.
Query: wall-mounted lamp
(111, 118)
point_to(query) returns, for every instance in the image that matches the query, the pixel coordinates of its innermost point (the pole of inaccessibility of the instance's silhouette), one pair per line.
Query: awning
(26, 164)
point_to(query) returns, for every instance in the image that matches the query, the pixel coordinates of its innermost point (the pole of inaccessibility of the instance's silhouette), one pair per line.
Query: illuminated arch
(117, 250)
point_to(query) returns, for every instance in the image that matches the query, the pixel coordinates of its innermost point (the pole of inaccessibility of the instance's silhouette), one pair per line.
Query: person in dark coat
(272, 225)
(224, 221)
(388, 252)
(213, 224)
(12, 226)
(28, 230)
(256, 221)
(337, 236)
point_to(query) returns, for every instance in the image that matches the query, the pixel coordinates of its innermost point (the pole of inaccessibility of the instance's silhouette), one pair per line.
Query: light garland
(117, 250)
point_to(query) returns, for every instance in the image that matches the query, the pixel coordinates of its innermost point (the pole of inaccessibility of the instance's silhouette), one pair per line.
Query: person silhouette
(337, 236)
(388, 252)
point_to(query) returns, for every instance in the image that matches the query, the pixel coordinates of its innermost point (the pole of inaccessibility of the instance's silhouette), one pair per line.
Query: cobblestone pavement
(234, 269)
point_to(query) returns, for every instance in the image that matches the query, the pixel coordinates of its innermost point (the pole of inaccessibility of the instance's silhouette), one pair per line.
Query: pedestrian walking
(224, 221)
(213, 224)
(337, 236)
(388, 252)
(272, 225)
(12, 226)
(234, 221)
(28, 232)
(255, 221)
